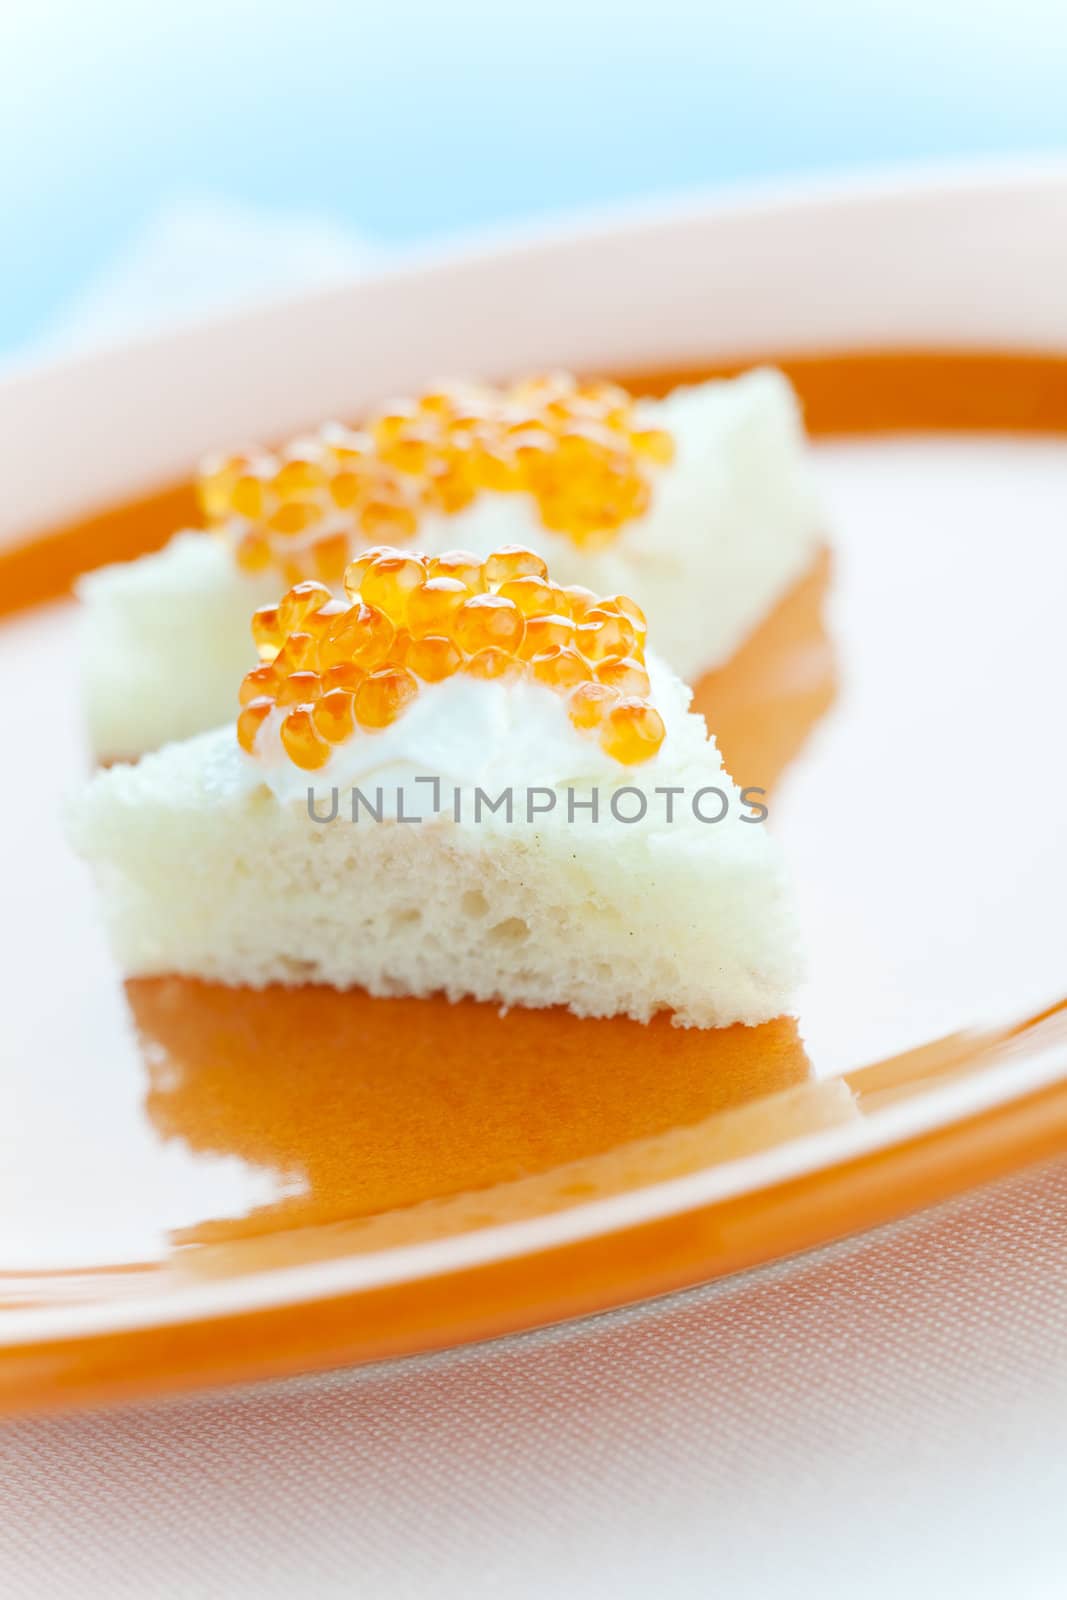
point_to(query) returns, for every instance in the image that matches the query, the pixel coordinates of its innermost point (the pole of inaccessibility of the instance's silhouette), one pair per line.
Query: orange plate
(203, 1185)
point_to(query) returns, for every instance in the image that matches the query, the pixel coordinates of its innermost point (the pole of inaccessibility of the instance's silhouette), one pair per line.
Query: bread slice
(731, 523)
(205, 872)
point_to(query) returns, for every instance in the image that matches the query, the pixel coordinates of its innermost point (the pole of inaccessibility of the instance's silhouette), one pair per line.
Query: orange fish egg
(590, 703)
(362, 634)
(433, 605)
(514, 561)
(633, 497)
(533, 450)
(253, 552)
(295, 516)
(393, 422)
(492, 663)
(471, 413)
(264, 680)
(624, 674)
(488, 621)
(334, 716)
(410, 451)
(299, 603)
(319, 622)
(215, 483)
(303, 744)
(604, 633)
(344, 675)
(437, 403)
(451, 483)
(496, 466)
(655, 444)
(299, 476)
(387, 517)
(267, 632)
(461, 565)
(299, 688)
(250, 498)
(629, 608)
(299, 651)
(545, 633)
(560, 668)
(398, 650)
(563, 513)
(346, 446)
(294, 569)
(389, 580)
(604, 394)
(433, 658)
(381, 697)
(579, 600)
(329, 556)
(353, 573)
(251, 720)
(583, 440)
(533, 595)
(345, 488)
(632, 732)
(544, 386)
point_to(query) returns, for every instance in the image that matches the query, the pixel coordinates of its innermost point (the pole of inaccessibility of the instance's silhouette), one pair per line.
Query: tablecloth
(883, 1417)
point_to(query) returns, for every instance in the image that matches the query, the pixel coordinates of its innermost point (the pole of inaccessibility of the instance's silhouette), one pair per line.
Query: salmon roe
(332, 669)
(579, 451)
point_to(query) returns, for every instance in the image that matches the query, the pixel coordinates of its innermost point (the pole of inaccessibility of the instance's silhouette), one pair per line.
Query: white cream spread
(492, 734)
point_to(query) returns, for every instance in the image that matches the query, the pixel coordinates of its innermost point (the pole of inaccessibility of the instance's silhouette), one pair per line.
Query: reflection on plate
(411, 1119)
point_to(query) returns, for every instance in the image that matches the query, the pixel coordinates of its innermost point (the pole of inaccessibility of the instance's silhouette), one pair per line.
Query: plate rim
(870, 256)
(1004, 1082)
(1013, 1074)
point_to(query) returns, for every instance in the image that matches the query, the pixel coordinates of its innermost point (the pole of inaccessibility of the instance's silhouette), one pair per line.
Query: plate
(200, 1185)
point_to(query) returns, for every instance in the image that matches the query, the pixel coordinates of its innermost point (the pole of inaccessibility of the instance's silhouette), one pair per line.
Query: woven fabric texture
(883, 1417)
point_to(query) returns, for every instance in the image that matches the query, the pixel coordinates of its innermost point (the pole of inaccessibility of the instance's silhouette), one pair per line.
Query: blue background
(406, 121)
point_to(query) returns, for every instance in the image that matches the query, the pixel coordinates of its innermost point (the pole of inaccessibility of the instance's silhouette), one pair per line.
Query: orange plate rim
(1018, 1070)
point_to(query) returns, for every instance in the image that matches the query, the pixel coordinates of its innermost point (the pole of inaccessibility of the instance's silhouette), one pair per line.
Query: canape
(462, 777)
